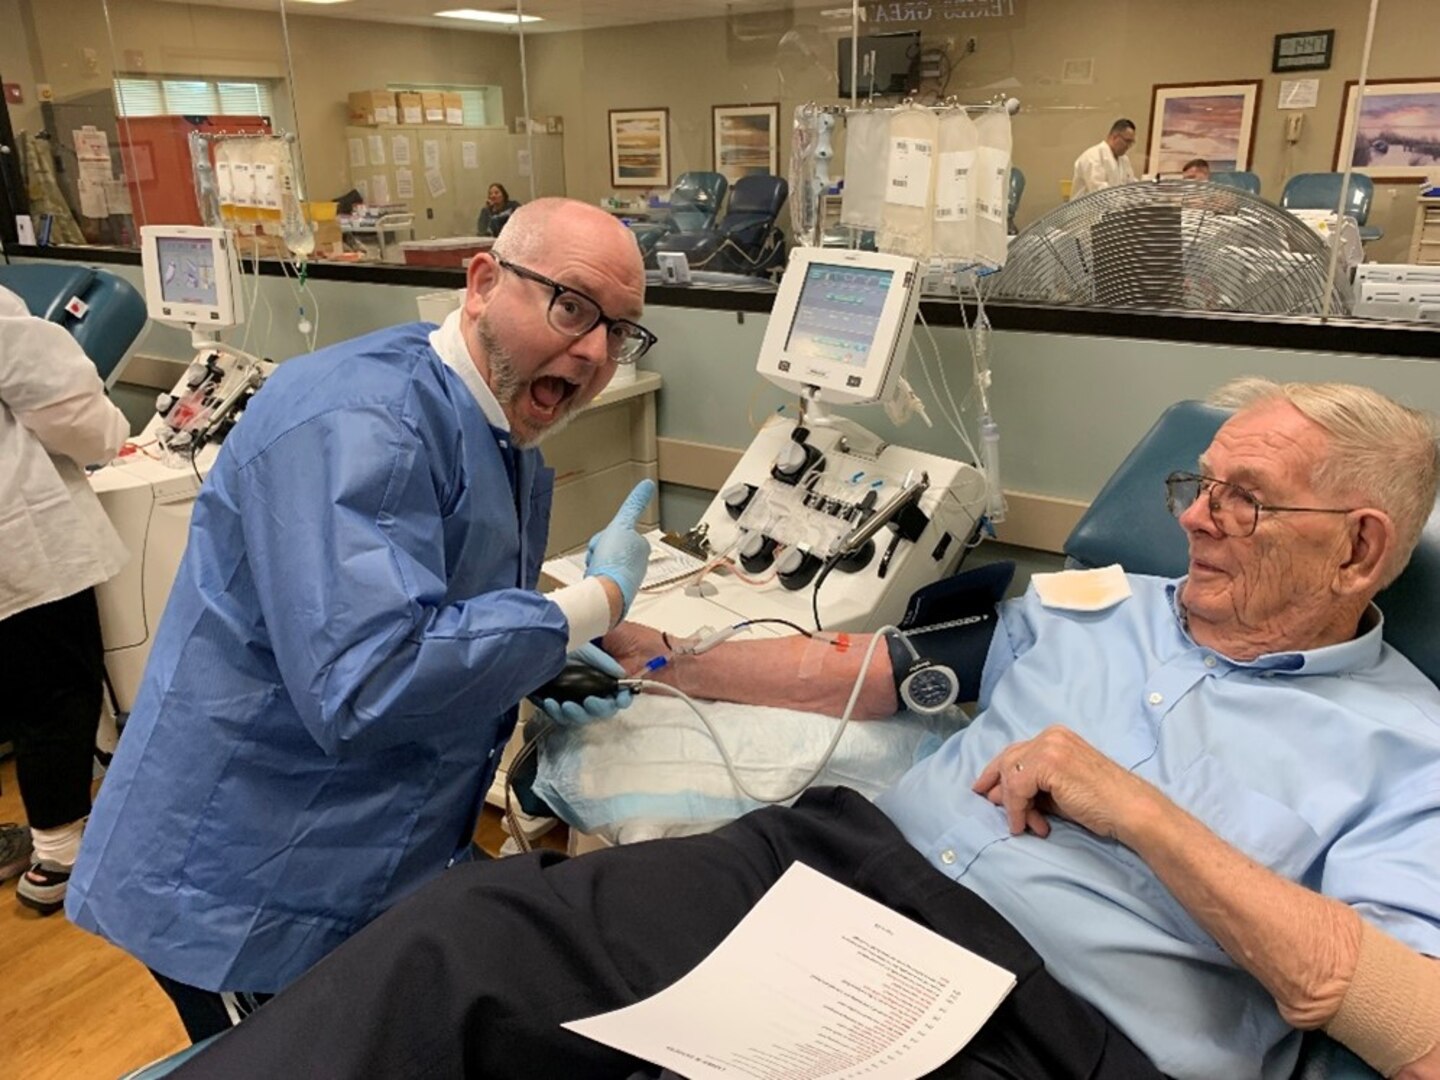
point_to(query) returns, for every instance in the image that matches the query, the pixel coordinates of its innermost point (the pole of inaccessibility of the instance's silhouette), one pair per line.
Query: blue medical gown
(339, 664)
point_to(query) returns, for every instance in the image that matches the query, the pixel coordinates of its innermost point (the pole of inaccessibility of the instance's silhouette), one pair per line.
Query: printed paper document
(819, 981)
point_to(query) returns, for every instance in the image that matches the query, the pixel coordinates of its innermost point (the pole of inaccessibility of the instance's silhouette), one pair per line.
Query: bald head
(538, 225)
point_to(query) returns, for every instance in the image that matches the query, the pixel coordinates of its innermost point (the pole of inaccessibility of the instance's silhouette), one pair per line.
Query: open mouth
(549, 394)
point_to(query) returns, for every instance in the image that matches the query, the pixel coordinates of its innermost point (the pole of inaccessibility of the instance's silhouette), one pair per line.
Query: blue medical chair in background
(1241, 181)
(1321, 191)
(746, 240)
(695, 203)
(1017, 189)
(114, 315)
(1128, 523)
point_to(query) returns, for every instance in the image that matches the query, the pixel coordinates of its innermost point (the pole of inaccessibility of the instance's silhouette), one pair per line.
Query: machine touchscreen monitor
(192, 276)
(841, 325)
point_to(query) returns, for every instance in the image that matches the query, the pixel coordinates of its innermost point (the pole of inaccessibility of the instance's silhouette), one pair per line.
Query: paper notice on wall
(1299, 93)
(469, 155)
(817, 980)
(91, 144)
(363, 187)
(992, 169)
(952, 185)
(357, 153)
(404, 184)
(432, 154)
(97, 172)
(435, 182)
(92, 197)
(380, 189)
(908, 180)
(377, 149)
(522, 161)
(117, 197)
(400, 149)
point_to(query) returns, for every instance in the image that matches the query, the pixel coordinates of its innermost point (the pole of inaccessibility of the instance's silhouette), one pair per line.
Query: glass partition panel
(409, 125)
(407, 121)
(111, 95)
(677, 117)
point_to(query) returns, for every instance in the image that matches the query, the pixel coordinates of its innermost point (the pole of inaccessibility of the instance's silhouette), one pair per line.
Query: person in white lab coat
(1105, 164)
(57, 546)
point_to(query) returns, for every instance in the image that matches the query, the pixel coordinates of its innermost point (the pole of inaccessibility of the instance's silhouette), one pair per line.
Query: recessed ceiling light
(474, 15)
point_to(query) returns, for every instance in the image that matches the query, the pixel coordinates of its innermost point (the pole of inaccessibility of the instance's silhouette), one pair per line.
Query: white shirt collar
(449, 344)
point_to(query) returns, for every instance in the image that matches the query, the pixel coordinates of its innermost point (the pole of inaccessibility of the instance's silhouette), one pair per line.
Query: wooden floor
(73, 1007)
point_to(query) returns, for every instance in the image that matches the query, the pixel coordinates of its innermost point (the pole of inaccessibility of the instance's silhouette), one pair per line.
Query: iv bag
(992, 187)
(909, 186)
(804, 188)
(867, 149)
(958, 147)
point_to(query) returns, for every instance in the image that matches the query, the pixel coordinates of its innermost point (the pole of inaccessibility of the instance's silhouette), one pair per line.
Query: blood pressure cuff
(951, 623)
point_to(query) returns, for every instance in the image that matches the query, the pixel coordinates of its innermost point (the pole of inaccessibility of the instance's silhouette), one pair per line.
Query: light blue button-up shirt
(1323, 765)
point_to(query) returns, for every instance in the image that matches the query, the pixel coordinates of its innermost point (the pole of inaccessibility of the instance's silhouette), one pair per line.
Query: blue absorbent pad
(653, 770)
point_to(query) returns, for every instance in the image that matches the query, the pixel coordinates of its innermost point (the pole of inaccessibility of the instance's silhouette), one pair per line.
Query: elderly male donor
(1193, 823)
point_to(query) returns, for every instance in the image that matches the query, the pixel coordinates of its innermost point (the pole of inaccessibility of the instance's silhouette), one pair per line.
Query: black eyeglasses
(1234, 510)
(574, 314)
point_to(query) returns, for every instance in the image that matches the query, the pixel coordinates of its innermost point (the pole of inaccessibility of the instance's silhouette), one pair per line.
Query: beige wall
(685, 66)
(17, 64)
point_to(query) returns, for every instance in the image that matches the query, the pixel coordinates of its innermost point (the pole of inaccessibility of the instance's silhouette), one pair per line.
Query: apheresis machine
(823, 526)
(822, 522)
(192, 279)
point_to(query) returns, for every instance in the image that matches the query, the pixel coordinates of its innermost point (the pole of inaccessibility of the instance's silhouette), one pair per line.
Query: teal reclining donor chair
(695, 203)
(112, 317)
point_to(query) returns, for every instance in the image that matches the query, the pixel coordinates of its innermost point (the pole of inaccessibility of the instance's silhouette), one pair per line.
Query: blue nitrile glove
(618, 551)
(568, 713)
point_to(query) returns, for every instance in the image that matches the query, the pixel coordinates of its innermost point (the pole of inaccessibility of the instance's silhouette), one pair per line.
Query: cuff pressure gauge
(929, 687)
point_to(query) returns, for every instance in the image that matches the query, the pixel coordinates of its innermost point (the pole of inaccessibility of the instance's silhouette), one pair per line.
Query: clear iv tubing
(649, 686)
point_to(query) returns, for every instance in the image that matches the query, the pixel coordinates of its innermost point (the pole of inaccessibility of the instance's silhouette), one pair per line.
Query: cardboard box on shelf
(412, 111)
(433, 102)
(454, 108)
(373, 107)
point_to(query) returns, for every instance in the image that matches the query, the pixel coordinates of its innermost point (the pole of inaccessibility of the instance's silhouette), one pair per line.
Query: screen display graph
(838, 313)
(187, 271)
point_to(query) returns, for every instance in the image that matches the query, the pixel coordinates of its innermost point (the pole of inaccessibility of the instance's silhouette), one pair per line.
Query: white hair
(1380, 451)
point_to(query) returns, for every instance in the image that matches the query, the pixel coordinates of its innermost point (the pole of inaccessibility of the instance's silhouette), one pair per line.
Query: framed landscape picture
(1214, 121)
(1395, 134)
(640, 148)
(747, 140)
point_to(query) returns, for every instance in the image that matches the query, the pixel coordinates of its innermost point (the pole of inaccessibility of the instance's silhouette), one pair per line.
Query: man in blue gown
(355, 622)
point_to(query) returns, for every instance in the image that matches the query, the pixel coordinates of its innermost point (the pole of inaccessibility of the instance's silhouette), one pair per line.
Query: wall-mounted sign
(1308, 50)
(911, 11)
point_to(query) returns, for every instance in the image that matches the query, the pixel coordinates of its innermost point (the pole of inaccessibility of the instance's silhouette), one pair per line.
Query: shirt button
(947, 857)
(1156, 699)
(1210, 661)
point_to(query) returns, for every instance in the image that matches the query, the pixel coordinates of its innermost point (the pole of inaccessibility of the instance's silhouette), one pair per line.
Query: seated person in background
(1196, 169)
(496, 211)
(1190, 823)
(1105, 164)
